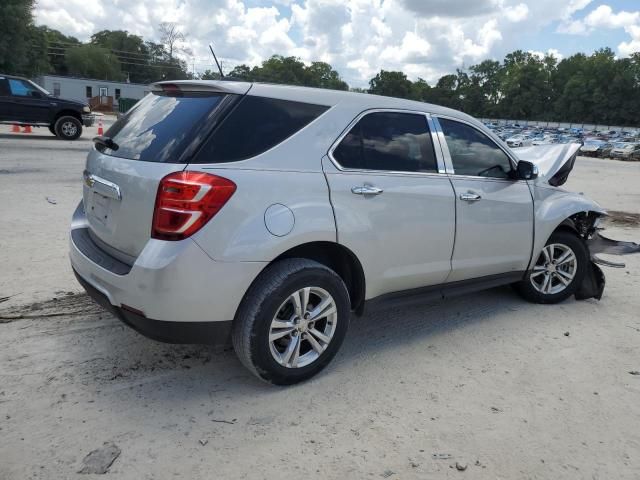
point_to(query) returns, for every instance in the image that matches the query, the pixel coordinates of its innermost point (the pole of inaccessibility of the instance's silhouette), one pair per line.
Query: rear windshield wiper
(105, 142)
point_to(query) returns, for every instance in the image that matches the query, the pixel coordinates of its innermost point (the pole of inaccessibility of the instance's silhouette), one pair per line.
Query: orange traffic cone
(27, 129)
(100, 129)
(15, 128)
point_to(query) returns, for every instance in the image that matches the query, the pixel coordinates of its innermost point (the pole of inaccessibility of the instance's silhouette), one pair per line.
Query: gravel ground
(486, 386)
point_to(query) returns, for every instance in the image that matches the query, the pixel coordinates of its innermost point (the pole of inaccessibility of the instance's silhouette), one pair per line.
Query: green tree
(322, 75)
(94, 62)
(391, 84)
(16, 35)
(130, 50)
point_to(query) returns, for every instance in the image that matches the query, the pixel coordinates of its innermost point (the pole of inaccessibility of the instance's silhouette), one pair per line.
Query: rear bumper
(209, 333)
(171, 284)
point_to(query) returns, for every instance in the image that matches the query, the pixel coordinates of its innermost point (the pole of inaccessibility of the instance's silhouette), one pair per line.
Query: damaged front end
(587, 224)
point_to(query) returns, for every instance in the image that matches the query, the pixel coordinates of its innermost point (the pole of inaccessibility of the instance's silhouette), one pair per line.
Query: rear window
(254, 126)
(161, 126)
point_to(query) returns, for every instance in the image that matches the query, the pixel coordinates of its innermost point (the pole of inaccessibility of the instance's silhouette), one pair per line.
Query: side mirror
(527, 170)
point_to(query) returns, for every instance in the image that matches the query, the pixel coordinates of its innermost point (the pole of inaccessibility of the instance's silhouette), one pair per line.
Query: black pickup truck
(22, 102)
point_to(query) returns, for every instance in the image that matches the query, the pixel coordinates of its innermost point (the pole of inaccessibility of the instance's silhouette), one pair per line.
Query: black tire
(263, 302)
(52, 129)
(576, 245)
(68, 128)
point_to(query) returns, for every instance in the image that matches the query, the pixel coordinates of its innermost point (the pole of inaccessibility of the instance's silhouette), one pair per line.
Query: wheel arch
(338, 258)
(555, 209)
(581, 223)
(67, 113)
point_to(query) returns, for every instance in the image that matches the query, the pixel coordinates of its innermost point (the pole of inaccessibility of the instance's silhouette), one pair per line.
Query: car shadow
(121, 356)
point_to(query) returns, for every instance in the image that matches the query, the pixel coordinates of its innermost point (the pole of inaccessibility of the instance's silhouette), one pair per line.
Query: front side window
(473, 153)
(20, 88)
(388, 141)
(256, 125)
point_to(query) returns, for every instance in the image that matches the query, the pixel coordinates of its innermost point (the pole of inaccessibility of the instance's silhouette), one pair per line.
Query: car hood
(554, 162)
(65, 101)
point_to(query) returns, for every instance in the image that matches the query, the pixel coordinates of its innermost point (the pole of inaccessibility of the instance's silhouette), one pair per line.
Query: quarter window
(389, 141)
(473, 153)
(256, 125)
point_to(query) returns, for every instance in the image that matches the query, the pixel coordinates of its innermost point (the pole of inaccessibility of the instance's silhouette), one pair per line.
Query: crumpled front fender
(601, 244)
(594, 281)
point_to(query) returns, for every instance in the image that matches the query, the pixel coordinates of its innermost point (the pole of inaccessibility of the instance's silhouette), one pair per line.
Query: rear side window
(160, 127)
(390, 141)
(254, 126)
(473, 153)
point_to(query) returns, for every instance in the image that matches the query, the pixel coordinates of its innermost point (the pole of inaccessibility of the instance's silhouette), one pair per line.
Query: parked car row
(595, 143)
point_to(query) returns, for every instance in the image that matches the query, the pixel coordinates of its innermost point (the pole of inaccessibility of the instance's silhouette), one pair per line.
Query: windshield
(39, 87)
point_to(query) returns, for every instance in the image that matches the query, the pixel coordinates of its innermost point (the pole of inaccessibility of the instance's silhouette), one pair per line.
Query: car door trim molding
(445, 290)
(440, 162)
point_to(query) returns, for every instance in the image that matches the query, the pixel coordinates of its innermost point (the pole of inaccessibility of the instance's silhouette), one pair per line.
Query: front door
(494, 211)
(5, 101)
(28, 104)
(394, 207)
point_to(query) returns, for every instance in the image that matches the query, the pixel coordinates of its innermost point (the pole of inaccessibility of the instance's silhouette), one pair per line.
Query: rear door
(394, 205)
(150, 141)
(494, 211)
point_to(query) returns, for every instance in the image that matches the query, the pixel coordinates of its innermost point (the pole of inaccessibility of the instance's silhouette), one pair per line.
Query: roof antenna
(216, 59)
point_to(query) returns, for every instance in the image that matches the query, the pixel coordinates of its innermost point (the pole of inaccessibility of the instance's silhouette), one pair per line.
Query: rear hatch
(155, 138)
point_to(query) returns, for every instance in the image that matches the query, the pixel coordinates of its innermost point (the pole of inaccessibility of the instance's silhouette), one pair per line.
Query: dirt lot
(504, 388)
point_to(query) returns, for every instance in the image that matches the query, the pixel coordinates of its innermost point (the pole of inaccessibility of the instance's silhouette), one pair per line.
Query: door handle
(366, 190)
(470, 197)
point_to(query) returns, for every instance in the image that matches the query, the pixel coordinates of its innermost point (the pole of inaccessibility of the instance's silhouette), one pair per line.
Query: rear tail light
(186, 201)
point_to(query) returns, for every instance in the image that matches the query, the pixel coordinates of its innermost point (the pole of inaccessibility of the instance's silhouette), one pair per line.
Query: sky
(424, 38)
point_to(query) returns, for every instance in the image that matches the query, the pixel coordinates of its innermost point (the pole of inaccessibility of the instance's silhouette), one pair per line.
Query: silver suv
(267, 214)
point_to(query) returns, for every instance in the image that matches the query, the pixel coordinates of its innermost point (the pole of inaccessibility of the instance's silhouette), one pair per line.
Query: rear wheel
(292, 321)
(68, 128)
(559, 270)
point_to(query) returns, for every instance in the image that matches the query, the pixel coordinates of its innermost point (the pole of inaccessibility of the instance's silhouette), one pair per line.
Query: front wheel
(68, 128)
(559, 270)
(292, 321)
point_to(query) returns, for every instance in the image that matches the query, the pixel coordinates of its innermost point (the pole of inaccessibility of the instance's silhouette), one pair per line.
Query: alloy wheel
(69, 129)
(303, 327)
(555, 269)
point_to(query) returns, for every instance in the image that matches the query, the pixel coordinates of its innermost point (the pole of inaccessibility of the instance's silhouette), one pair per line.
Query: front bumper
(171, 287)
(88, 119)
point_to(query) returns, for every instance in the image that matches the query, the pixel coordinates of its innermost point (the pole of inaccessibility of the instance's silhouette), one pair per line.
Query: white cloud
(604, 17)
(424, 38)
(551, 52)
(516, 13)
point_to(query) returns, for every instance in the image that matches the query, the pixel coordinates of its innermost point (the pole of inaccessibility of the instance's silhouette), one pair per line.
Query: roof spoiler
(177, 86)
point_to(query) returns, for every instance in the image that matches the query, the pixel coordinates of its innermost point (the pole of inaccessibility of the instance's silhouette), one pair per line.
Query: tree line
(596, 88)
